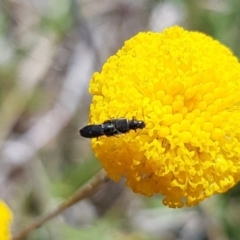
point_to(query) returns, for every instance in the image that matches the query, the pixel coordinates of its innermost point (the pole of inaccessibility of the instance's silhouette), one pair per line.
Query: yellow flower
(186, 87)
(5, 221)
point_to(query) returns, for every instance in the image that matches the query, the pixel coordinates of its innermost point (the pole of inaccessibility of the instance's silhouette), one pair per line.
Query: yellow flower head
(186, 87)
(5, 221)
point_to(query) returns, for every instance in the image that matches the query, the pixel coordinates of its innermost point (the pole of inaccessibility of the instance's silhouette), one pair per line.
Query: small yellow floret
(186, 87)
(5, 221)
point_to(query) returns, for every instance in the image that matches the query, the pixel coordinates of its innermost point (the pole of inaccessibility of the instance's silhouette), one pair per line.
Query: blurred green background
(48, 52)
